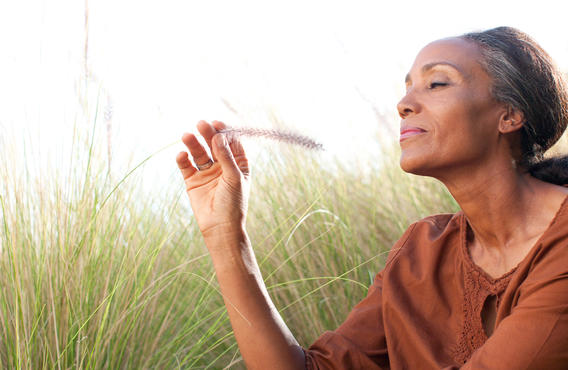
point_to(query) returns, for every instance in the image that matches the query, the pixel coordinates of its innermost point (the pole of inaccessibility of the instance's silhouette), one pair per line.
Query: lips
(408, 131)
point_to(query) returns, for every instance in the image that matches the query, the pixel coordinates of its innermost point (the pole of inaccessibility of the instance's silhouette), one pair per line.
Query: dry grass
(96, 274)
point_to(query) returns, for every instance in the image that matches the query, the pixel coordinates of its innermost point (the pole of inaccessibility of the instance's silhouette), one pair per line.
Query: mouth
(407, 132)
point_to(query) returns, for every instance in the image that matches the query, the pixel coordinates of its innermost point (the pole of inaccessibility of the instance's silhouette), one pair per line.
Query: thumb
(222, 151)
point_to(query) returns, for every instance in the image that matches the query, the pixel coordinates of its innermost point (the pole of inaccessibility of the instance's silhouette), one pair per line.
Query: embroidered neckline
(488, 279)
(478, 285)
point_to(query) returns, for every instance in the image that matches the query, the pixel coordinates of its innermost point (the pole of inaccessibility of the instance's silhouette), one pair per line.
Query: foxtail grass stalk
(273, 134)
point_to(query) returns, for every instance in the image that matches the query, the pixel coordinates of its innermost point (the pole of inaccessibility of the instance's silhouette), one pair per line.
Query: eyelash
(433, 85)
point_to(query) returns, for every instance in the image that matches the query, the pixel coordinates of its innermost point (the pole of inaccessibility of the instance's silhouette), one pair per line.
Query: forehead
(464, 55)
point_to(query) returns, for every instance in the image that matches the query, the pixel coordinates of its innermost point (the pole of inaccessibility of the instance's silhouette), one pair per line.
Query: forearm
(263, 338)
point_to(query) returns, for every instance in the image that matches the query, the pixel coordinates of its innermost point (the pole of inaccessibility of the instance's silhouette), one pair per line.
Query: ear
(511, 120)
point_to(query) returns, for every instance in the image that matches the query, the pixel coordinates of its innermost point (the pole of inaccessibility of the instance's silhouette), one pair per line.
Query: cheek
(457, 136)
(480, 126)
(461, 123)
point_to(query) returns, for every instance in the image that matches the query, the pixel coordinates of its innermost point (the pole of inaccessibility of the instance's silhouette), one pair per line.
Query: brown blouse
(423, 310)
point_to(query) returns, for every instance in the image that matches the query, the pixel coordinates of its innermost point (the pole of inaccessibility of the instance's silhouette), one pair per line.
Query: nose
(407, 105)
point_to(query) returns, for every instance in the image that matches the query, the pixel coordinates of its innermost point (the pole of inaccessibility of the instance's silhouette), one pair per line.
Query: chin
(409, 163)
(415, 164)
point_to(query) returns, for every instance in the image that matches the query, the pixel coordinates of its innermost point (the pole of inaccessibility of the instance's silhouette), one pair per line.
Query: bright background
(330, 69)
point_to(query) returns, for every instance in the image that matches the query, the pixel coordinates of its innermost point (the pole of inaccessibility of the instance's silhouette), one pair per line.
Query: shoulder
(427, 235)
(439, 222)
(548, 258)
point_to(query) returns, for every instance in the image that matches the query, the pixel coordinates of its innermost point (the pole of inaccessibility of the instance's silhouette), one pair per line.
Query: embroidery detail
(477, 287)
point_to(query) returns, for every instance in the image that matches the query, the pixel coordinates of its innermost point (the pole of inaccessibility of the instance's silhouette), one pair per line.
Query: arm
(358, 343)
(218, 196)
(361, 341)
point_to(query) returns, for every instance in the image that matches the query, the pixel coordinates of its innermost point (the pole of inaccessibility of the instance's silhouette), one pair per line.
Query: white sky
(319, 66)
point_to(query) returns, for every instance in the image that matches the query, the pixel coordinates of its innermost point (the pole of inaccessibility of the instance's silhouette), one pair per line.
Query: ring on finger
(205, 166)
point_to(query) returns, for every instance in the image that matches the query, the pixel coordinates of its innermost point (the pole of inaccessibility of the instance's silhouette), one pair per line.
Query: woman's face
(449, 118)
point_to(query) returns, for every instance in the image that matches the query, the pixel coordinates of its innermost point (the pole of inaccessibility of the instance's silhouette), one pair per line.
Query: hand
(218, 194)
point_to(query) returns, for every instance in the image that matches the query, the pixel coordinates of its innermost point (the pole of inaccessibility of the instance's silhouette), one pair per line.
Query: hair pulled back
(525, 77)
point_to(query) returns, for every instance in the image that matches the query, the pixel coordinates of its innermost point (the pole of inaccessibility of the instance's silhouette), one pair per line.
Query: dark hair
(525, 77)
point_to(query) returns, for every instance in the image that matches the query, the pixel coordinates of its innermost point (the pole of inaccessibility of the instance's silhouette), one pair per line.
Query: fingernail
(222, 142)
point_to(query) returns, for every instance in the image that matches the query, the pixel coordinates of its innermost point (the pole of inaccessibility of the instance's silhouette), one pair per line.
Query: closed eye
(434, 85)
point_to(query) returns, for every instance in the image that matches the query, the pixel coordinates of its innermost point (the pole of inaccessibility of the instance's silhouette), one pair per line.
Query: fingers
(225, 156)
(239, 155)
(197, 151)
(236, 148)
(232, 155)
(219, 125)
(185, 165)
(207, 131)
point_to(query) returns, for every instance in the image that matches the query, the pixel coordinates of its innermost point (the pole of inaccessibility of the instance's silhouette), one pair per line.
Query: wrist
(225, 236)
(232, 254)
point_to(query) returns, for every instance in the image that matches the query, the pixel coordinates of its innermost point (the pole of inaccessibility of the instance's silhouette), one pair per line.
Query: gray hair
(525, 77)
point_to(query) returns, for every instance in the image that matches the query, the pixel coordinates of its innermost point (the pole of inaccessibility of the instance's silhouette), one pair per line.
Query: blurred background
(149, 70)
(102, 265)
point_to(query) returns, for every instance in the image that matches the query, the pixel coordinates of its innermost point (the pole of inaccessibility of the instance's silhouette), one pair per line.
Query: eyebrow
(429, 66)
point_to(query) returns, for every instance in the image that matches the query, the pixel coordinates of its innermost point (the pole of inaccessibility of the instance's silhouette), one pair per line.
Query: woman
(486, 288)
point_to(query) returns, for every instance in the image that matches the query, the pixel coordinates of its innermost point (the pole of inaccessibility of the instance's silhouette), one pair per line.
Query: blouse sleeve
(534, 335)
(360, 342)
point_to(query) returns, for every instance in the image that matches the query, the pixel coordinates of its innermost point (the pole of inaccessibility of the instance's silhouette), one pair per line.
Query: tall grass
(95, 273)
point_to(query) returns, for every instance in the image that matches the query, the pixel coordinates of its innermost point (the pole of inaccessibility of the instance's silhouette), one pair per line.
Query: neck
(499, 204)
